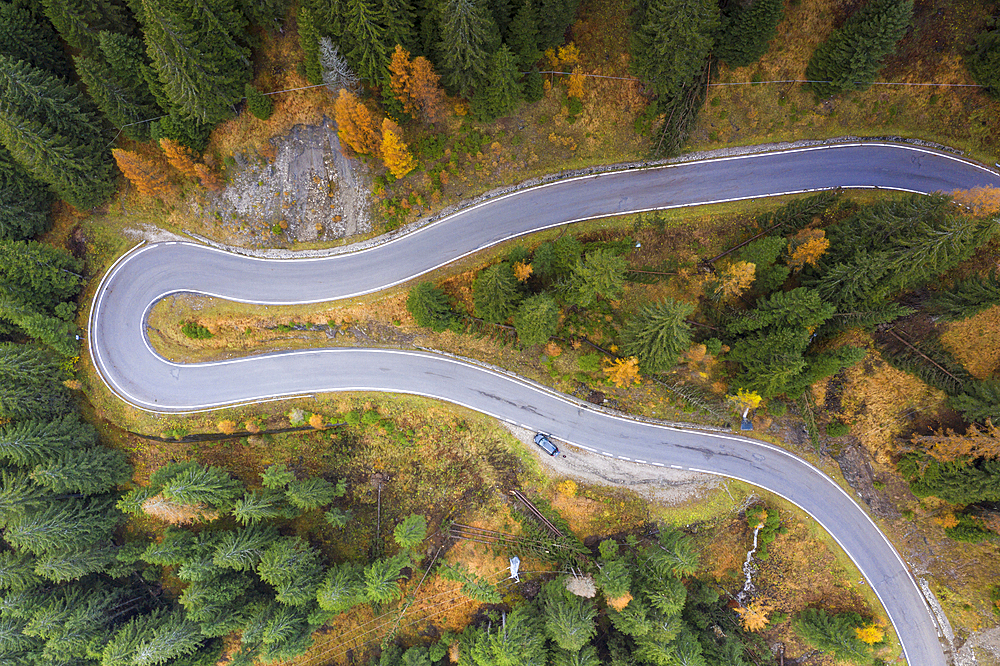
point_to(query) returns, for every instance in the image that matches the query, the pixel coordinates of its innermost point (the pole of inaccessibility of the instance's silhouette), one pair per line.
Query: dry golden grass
(973, 342)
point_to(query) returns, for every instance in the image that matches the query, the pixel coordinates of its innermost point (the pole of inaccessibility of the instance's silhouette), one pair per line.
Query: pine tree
(87, 471)
(395, 152)
(111, 80)
(342, 588)
(601, 274)
(312, 493)
(197, 54)
(54, 133)
(411, 532)
(672, 43)
(80, 21)
(26, 34)
(851, 57)
(25, 203)
(31, 383)
(149, 178)
(495, 293)
(502, 89)
(747, 31)
(658, 334)
(536, 319)
(370, 53)
(469, 37)
(39, 442)
(293, 568)
(430, 307)
(568, 619)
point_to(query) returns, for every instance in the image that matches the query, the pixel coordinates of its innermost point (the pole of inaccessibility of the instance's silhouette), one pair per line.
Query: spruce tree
(400, 21)
(568, 619)
(197, 52)
(536, 319)
(293, 568)
(370, 53)
(33, 392)
(342, 588)
(309, 43)
(554, 18)
(110, 74)
(979, 401)
(261, 505)
(66, 524)
(672, 42)
(54, 133)
(17, 571)
(38, 274)
(87, 471)
(79, 21)
(26, 34)
(601, 274)
(380, 579)
(430, 307)
(658, 334)
(984, 61)
(851, 57)
(65, 565)
(25, 203)
(524, 38)
(747, 31)
(56, 332)
(516, 641)
(312, 493)
(242, 548)
(469, 37)
(411, 532)
(502, 89)
(211, 486)
(966, 297)
(833, 633)
(495, 293)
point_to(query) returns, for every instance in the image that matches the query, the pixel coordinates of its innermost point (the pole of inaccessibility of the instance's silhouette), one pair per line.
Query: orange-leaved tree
(395, 152)
(416, 86)
(622, 372)
(355, 125)
(522, 271)
(753, 616)
(180, 157)
(209, 179)
(947, 445)
(735, 279)
(982, 200)
(148, 176)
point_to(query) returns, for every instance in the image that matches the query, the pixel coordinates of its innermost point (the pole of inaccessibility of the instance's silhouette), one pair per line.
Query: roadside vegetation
(282, 533)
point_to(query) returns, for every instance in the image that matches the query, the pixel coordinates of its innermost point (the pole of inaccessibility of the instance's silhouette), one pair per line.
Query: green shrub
(590, 362)
(837, 429)
(195, 331)
(259, 104)
(713, 346)
(776, 408)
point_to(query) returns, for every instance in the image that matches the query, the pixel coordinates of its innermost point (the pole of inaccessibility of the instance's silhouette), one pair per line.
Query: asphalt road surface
(125, 360)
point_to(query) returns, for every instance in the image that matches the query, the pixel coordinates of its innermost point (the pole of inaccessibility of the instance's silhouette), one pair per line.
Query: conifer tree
(110, 74)
(517, 640)
(80, 21)
(356, 126)
(56, 332)
(568, 619)
(88, 471)
(26, 34)
(380, 578)
(979, 401)
(197, 53)
(524, 38)
(967, 297)
(29, 394)
(25, 203)
(469, 36)
(17, 571)
(259, 104)
(261, 505)
(833, 633)
(342, 588)
(536, 319)
(601, 274)
(309, 43)
(54, 133)
(242, 548)
(395, 152)
(502, 89)
(671, 43)
(39, 274)
(658, 334)
(148, 177)
(426, 92)
(312, 493)
(65, 565)
(746, 31)
(67, 524)
(411, 532)
(984, 61)
(614, 578)
(370, 53)
(180, 157)
(495, 293)
(430, 307)
(293, 568)
(851, 57)
(211, 486)
(400, 20)
(555, 17)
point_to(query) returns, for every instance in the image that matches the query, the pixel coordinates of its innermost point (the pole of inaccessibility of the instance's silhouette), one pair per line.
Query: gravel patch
(655, 484)
(981, 649)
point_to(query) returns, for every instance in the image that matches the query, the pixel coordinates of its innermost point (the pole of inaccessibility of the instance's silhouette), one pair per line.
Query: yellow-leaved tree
(622, 372)
(870, 633)
(982, 200)
(180, 157)
(735, 279)
(753, 616)
(148, 176)
(356, 126)
(395, 152)
(576, 83)
(415, 84)
(806, 247)
(744, 401)
(522, 271)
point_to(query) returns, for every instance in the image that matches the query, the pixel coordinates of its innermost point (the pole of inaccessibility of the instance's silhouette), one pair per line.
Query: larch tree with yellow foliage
(395, 152)
(753, 616)
(355, 125)
(147, 176)
(983, 201)
(734, 280)
(576, 79)
(806, 247)
(179, 157)
(522, 271)
(622, 372)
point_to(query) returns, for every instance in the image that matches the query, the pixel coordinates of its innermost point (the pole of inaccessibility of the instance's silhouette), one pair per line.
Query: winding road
(138, 375)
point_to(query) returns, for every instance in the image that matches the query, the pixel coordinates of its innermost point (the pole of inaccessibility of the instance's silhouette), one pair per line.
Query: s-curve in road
(125, 360)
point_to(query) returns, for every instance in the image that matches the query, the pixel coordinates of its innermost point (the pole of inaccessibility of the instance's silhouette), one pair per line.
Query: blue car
(547, 446)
